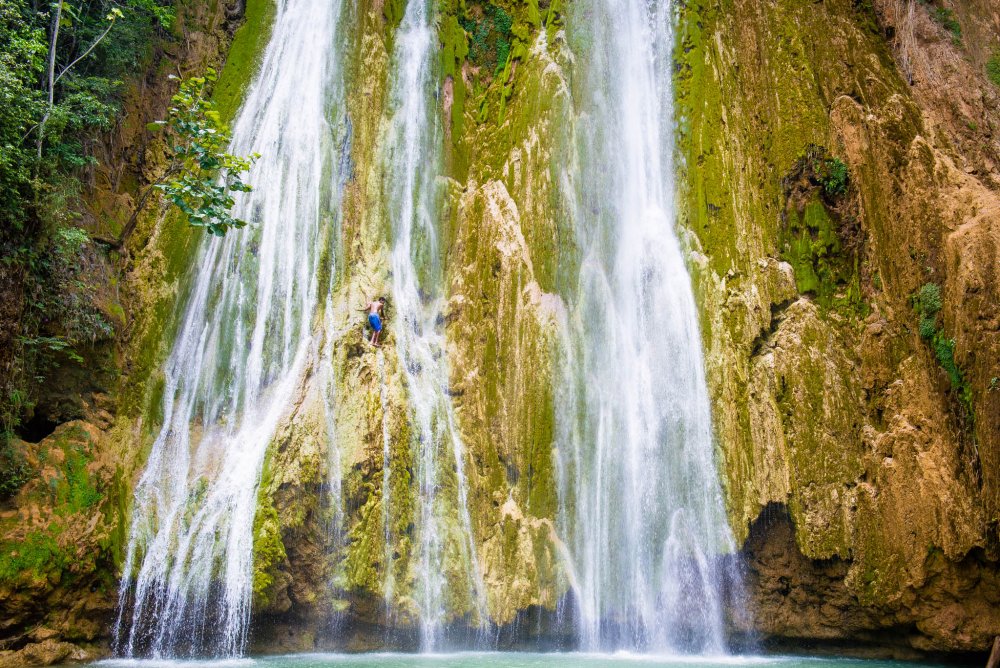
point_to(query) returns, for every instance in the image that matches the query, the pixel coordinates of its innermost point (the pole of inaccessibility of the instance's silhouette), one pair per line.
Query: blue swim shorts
(375, 322)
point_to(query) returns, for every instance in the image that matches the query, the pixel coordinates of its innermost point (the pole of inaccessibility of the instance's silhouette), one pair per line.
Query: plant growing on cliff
(201, 175)
(489, 37)
(833, 176)
(946, 18)
(14, 470)
(927, 304)
(993, 69)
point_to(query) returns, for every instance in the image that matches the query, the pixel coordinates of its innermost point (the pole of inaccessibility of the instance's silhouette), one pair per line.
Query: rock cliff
(877, 438)
(837, 158)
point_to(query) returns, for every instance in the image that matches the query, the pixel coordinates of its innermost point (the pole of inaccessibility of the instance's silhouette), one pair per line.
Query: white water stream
(642, 507)
(641, 504)
(444, 529)
(238, 358)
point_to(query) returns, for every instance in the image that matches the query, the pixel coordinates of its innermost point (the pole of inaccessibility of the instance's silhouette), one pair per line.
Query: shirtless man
(375, 312)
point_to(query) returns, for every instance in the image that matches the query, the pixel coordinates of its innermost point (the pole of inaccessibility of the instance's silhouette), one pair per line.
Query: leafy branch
(201, 175)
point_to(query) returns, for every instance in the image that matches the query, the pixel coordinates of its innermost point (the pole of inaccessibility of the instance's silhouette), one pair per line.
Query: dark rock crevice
(807, 605)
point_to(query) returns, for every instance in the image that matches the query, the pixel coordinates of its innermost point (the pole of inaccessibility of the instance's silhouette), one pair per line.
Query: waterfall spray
(642, 505)
(417, 280)
(239, 356)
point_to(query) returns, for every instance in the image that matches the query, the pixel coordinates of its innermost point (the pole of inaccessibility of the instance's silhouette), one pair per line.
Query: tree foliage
(202, 175)
(62, 66)
(95, 45)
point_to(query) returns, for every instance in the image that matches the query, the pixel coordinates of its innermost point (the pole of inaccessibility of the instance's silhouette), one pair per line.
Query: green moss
(268, 547)
(37, 555)
(811, 243)
(541, 479)
(459, 155)
(393, 11)
(119, 499)
(76, 490)
(244, 56)
(365, 555)
(699, 102)
(454, 50)
(993, 69)
(268, 553)
(553, 19)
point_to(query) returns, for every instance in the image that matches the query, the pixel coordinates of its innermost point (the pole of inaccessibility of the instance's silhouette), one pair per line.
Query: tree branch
(172, 170)
(52, 70)
(89, 49)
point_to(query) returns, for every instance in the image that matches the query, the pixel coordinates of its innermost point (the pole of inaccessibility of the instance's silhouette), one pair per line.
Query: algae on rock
(828, 410)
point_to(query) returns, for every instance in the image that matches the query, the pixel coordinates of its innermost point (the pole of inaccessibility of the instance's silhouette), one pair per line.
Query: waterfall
(641, 502)
(417, 299)
(242, 348)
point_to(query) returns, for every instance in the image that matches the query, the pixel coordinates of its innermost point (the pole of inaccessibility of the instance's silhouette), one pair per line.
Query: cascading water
(642, 506)
(239, 356)
(417, 299)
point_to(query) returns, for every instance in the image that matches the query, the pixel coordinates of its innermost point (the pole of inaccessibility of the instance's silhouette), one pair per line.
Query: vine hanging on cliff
(927, 304)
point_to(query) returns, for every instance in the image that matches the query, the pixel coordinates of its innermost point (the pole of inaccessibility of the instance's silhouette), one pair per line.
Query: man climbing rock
(375, 310)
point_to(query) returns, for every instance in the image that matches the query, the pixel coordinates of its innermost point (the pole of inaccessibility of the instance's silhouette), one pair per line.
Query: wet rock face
(827, 399)
(865, 497)
(800, 602)
(57, 583)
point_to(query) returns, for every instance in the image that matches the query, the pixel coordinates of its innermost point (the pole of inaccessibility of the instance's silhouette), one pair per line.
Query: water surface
(511, 660)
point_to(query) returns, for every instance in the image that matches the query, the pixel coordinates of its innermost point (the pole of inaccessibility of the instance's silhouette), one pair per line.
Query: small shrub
(14, 471)
(993, 69)
(947, 19)
(944, 350)
(927, 304)
(929, 298)
(834, 177)
(489, 37)
(927, 328)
